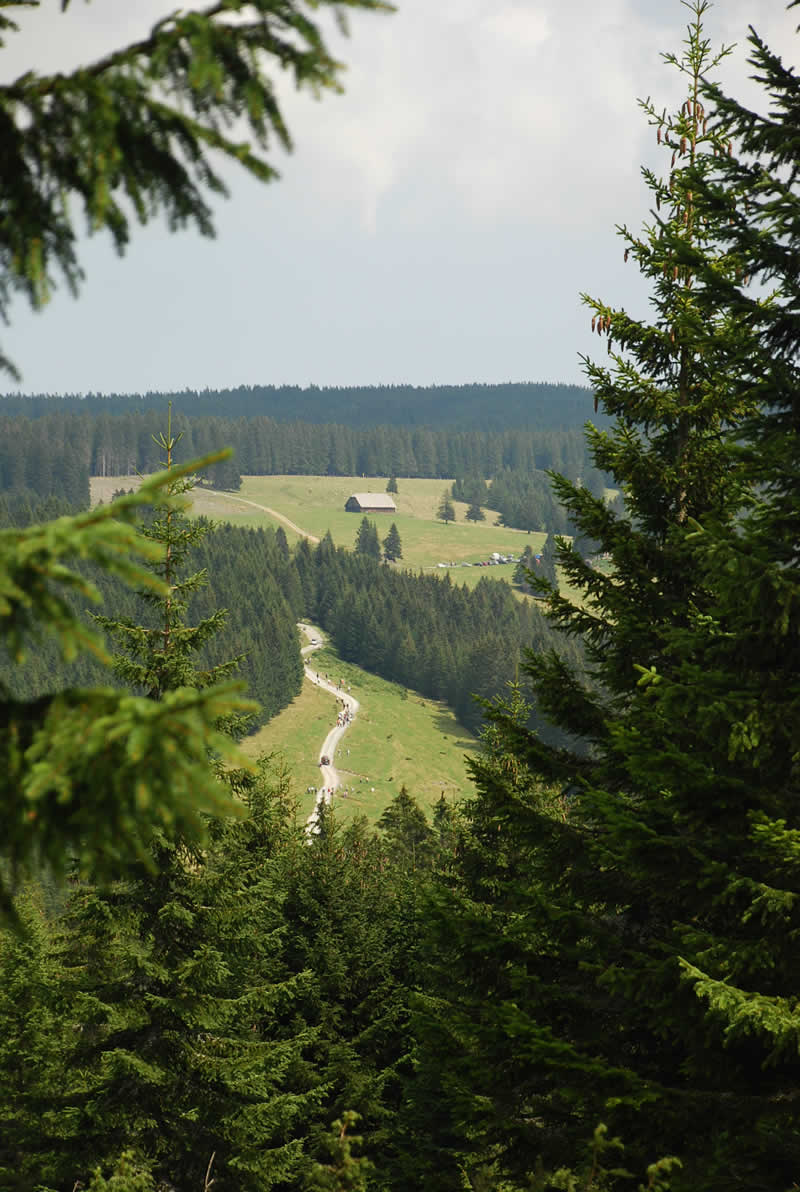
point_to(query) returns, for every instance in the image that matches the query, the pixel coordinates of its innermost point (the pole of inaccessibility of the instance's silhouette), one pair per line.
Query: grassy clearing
(316, 504)
(397, 738)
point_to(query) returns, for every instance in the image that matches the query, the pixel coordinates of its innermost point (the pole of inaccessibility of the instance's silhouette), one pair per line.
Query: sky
(436, 224)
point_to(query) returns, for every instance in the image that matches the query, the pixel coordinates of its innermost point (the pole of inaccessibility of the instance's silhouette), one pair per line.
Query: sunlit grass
(398, 738)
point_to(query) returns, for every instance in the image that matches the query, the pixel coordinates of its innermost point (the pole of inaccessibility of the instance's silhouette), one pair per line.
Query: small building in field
(370, 503)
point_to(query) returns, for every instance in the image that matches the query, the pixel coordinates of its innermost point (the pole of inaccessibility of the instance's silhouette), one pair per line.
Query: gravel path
(264, 509)
(330, 776)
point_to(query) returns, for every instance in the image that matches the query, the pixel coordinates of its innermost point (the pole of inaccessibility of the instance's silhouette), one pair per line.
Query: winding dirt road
(265, 509)
(350, 706)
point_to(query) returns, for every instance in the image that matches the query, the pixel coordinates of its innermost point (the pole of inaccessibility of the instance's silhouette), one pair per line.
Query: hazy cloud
(435, 223)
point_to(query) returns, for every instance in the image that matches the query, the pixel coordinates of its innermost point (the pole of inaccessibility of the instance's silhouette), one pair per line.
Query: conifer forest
(580, 975)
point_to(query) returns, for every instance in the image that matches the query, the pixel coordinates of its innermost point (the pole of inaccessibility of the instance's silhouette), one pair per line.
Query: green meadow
(398, 738)
(315, 504)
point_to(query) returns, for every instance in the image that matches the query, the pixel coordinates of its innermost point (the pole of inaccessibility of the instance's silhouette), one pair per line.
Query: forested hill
(529, 405)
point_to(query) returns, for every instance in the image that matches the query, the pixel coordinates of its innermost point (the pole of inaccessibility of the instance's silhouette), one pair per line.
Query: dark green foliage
(249, 576)
(246, 572)
(161, 654)
(539, 407)
(367, 540)
(407, 835)
(472, 489)
(105, 444)
(94, 772)
(391, 484)
(525, 500)
(152, 958)
(533, 568)
(446, 511)
(475, 514)
(392, 545)
(189, 1043)
(421, 631)
(615, 942)
(48, 457)
(33, 1041)
(354, 925)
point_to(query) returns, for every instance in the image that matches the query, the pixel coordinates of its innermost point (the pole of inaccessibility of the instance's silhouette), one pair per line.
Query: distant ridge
(510, 406)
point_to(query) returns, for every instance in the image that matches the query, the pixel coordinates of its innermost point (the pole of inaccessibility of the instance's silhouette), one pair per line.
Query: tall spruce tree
(160, 655)
(723, 715)
(367, 541)
(407, 835)
(446, 511)
(92, 773)
(582, 927)
(178, 1057)
(392, 545)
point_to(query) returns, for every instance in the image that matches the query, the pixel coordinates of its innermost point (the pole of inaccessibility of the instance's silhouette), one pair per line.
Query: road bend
(347, 709)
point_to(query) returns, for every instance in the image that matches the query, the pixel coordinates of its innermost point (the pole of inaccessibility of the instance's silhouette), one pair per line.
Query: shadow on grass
(449, 728)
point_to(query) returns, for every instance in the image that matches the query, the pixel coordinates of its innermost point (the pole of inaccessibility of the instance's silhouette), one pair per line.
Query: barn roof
(375, 500)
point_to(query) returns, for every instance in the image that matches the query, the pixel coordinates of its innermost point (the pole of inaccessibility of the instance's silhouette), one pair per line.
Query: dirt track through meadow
(264, 509)
(330, 776)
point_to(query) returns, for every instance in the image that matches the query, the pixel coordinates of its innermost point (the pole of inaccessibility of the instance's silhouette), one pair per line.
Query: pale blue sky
(435, 224)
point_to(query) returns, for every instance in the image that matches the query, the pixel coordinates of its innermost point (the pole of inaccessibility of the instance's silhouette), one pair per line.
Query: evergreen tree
(548, 562)
(406, 832)
(92, 773)
(446, 511)
(367, 541)
(472, 489)
(164, 946)
(34, 1045)
(475, 513)
(392, 546)
(349, 926)
(189, 1044)
(635, 974)
(536, 573)
(444, 826)
(391, 484)
(161, 656)
(524, 567)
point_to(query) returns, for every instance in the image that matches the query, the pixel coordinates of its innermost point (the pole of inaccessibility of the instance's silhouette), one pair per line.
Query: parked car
(324, 760)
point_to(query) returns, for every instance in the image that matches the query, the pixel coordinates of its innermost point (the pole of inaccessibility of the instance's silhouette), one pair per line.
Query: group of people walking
(345, 716)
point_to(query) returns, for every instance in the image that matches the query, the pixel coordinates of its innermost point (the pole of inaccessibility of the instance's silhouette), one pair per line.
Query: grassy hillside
(397, 738)
(315, 504)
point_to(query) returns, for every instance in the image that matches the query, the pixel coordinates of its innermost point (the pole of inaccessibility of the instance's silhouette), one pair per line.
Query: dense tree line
(524, 498)
(249, 574)
(643, 970)
(536, 406)
(58, 452)
(446, 641)
(48, 457)
(435, 637)
(217, 1017)
(541, 566)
